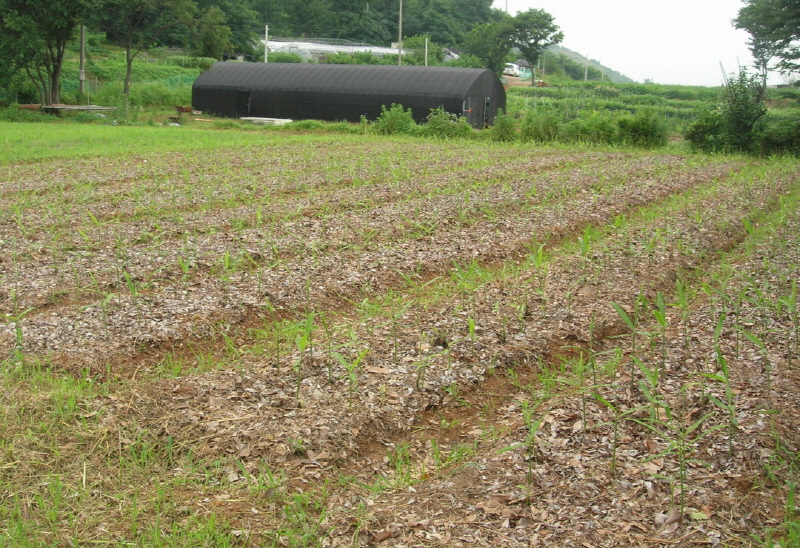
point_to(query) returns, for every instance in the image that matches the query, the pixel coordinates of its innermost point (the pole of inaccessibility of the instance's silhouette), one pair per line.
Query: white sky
(668, 42)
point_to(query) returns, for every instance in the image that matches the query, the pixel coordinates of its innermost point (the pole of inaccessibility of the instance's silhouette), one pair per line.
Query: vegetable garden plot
(433, 315)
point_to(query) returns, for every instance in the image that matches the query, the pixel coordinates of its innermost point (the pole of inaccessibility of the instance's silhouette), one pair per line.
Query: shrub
(742, 106)
(144, 95)
(358, 58)
(466, 61)
(345, 127)
(306, 125)
(707, 132)
(594, 127)
(504, 128)
(645, 129)
(776, 134)
(226, 124)
(730, 126)
(203, 63)
(395, 121)
(88, 117)
(606, 91)
(15, 114)
(540, 126)
(283, 57)
(444, 125)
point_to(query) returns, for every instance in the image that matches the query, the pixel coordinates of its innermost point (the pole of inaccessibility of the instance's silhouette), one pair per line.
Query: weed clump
(395, 121)
(645, 130)
(15, 114)
(445, 125)
(504, 128)
(730, 126)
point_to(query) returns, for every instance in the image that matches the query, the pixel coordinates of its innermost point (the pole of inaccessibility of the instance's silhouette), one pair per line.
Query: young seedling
(789, 302)
(473, 337)
(329, 337)
(396, 316)
(131, 283)
(16, 318)
(619, 416)
(682, 296)
(729, 405)
(660, 314)
(681, 436)
(650, 383)
(531, 429)
(352, 371)
(301, 341)
(632, 322)
(767, 365)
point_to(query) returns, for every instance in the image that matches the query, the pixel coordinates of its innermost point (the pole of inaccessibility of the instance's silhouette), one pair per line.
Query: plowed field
(353, 341)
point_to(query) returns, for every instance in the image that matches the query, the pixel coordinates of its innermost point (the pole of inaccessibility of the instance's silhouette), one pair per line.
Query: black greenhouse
(302, 91)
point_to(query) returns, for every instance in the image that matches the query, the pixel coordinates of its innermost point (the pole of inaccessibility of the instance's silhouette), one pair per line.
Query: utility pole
(266, 45)
(82, 73)
(426, 51)
(586, 70)
(400, 37)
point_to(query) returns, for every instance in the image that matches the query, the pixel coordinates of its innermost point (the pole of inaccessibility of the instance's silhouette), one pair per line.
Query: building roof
(316, 48)
(344, 92)
(360, 79)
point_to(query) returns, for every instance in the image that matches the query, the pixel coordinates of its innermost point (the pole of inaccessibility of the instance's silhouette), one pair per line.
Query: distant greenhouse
(302, 91)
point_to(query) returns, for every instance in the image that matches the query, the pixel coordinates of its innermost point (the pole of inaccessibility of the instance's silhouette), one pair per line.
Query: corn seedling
(532, 425)
(632, 322)
(618, 416)
(352, 371)
(660, 314)
(673, 426)
(304, 344)
(649, 385)
(789, 302)
(131, 283)
(729, 404)
(683, 303)
(767, 364)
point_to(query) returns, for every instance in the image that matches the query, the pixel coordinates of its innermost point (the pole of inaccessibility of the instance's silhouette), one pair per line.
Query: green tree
(33, 38)
(138, 24)
(466, 61)
(490, 42)
(310, 18)
(774, 28)
(417, 56)
(732, 124)
(533, 31)
(213, 36)
(242, 22)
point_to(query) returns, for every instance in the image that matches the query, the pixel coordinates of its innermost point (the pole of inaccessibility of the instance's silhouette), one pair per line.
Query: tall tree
(310, 18)
(242, 21)
(490, 42)
(213, 36)
(533, 31)
(138, 24)
(33, 38)
(774, 28)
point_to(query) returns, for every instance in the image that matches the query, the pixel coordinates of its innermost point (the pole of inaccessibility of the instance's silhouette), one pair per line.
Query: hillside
(613, 75)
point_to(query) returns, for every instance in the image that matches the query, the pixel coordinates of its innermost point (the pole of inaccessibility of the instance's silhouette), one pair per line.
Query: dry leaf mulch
(442, 395)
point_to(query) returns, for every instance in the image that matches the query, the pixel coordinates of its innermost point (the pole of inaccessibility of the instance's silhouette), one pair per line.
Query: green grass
(30, 142)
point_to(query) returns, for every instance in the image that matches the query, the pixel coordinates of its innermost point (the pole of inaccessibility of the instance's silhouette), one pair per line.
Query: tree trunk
(128, 71)
(55, 81)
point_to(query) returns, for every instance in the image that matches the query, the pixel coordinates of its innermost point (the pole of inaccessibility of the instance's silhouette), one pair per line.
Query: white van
(512, 70)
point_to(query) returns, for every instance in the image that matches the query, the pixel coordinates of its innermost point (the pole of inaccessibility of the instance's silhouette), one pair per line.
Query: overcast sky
(674, 42)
